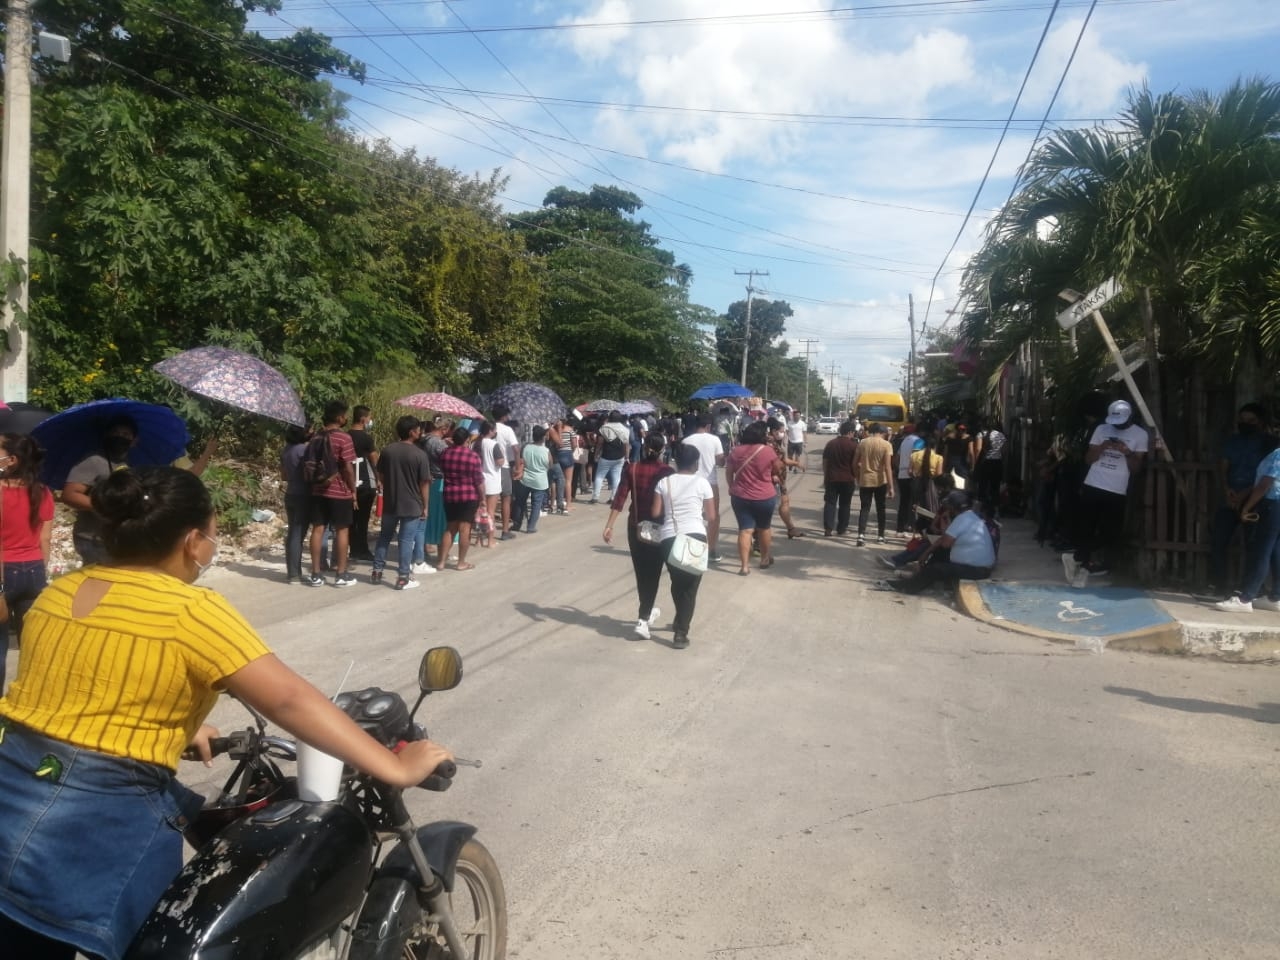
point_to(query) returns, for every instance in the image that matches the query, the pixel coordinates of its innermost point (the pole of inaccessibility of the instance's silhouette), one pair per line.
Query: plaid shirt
(639, 479)
(463, 478)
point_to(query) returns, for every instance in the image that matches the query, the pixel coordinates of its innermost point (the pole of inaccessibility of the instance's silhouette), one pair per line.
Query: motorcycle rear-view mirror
(441, 670)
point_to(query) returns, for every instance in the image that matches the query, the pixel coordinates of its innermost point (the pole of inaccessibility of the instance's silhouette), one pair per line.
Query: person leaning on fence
(1260, 509)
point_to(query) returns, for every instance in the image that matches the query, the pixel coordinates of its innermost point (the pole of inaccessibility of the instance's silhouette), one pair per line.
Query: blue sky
(835, 145)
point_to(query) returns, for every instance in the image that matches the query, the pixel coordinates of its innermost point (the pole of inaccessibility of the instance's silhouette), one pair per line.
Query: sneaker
(680, 641)
(641, 630)
(1262, 603)
(713, 558)
(882, 539)
(510, 534)
(344, 580)
(1070, 567)
(406, 583)
(312, 580)
(375, 577)
(422, 567)
(861, 542)
(885, 585)
(885, 561)
(654, 614)
(1235, 605)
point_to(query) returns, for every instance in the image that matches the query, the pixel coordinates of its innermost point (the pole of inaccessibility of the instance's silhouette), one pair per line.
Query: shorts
(565, 459)
(506, 481)
(754, 514)
(461, 511)
(332, 511)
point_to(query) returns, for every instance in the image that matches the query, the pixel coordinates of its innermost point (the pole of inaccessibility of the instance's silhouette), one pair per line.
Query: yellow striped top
(135, 677)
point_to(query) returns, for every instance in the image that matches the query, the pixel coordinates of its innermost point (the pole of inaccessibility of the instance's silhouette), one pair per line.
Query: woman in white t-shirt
(491, 463)
(686, 505)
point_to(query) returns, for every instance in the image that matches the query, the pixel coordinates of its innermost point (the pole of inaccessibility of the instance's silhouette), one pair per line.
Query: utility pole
(15, 197)
(831, 382)
(746, 337)
(911, 360)
(808, 346)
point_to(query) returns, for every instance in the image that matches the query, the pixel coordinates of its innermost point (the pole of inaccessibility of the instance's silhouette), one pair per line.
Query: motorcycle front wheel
(479, 907)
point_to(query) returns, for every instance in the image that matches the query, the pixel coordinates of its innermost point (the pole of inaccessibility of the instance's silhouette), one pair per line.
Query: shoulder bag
(687, 553)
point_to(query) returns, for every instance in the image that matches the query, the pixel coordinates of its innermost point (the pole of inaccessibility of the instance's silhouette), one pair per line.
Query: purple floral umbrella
(630, 407)
(236, 379)
(530, 403)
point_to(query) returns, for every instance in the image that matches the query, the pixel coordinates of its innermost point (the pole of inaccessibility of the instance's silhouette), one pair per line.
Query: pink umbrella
(441, 403)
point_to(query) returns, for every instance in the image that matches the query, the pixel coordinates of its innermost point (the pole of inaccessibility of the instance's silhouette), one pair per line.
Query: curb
(1168, 638)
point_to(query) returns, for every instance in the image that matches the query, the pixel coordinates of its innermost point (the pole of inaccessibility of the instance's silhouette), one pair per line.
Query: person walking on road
(1261, 509)
(873, 468)
(838, 480)
(710, 458)
(611, 452)
(752, 468)
(796, 430)
(685, 502)
(406, 490)
(637, 486)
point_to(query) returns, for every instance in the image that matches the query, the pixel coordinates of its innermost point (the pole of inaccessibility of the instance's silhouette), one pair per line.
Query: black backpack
(318, 466)
(614, 449)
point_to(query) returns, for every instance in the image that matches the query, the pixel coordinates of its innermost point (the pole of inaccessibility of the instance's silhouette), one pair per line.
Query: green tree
(768, 322)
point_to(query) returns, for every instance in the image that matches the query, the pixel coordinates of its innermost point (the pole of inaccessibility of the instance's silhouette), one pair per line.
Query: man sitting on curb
(964, 551)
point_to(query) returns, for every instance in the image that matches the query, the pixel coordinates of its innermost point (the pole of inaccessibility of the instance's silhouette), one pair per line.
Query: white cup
(319, 775)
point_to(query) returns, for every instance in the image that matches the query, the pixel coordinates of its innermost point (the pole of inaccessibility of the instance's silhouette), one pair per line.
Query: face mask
(117, 448)
(1247, 428)
(368, 424)
(201, 568)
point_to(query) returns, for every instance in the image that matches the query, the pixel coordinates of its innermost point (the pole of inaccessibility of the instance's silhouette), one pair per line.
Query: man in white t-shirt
(1115, 454)
(710, 458)
(795, 438)
(909, 444)
(511, 465)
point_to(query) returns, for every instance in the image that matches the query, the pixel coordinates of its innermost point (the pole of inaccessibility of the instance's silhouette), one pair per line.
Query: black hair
(773, 423)
(847, 428)
(706, 420)
(406, 425)
(121, 420)
(500, 410)
(146, 513)
(539, 433)
(359, 413)
(294, 434)
(687, 458)
(333, 410)
(755, 432)
(30, 455)
(1257, 409)
(485, 428)
(615, 416)
(653, 445)
(460, 436)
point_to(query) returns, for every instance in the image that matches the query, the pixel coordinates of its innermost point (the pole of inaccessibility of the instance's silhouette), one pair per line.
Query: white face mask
(202, 568)
(368, 424)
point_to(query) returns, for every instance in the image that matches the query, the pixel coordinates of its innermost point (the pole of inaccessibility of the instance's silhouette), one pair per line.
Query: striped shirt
(463, 477)
(136, 676)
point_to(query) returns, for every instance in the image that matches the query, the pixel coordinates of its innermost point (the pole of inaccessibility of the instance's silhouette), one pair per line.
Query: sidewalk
(1029, 594)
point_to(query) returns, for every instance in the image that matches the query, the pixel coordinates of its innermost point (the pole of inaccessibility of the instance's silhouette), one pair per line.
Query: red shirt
(343, 450)
(19, 541)
(751, 466)
(463, 476)
(639, 479)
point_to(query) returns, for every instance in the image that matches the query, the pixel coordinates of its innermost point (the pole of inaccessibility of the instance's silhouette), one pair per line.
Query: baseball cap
(1119, 412)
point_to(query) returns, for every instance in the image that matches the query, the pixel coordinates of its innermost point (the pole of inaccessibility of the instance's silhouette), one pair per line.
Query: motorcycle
(292, 867)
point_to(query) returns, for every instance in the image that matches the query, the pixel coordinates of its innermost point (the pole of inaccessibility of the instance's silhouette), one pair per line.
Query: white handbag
(687, 553)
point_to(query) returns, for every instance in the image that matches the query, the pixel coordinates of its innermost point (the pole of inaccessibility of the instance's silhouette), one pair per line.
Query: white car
(828, 425)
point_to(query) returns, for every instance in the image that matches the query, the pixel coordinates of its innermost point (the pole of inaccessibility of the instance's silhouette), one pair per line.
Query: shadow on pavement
(572, 616)
(1263, 713)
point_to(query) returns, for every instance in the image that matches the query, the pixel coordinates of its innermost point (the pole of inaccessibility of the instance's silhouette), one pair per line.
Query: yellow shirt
(137, 676)
(935, 463)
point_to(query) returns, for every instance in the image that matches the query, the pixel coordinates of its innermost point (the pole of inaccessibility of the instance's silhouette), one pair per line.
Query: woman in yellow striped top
(120, 664)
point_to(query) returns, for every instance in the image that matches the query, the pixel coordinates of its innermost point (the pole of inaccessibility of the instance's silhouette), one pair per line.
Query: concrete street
(826, 772)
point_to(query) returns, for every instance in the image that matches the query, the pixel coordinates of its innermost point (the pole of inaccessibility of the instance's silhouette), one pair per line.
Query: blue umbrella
(720, 391)
(70, 436)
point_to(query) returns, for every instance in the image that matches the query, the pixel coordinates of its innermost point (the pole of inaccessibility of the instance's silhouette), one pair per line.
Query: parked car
(828, 425)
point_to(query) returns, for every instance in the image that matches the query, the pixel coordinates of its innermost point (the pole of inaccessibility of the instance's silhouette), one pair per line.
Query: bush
(234, 489)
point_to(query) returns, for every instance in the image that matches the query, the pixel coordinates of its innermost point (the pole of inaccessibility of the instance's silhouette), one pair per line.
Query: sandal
(766, 564)
(744, 573)
(794, 534)
(465, 566)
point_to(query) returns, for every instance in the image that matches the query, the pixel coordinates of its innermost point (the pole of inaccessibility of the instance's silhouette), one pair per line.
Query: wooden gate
(1179, 500)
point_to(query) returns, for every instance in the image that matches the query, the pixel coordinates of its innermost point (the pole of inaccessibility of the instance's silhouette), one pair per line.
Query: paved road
(825, 772)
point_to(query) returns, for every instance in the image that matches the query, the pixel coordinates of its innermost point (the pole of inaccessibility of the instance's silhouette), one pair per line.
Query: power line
(1026, 77)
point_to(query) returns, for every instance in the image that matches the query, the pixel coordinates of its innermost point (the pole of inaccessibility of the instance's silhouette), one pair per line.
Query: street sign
(1095, 299)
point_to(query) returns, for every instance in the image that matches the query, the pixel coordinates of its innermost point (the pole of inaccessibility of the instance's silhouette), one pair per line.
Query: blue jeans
(1263, 552)
(612, 469)
(22, 582)
(527, 500)
(409, 527)
(86, 851)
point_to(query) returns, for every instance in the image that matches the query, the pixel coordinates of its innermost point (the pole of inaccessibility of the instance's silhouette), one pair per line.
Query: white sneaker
(1262, 603)
(655, 613)
(1070, 567)
(642, 630)
(423, 567)
(1235, 605)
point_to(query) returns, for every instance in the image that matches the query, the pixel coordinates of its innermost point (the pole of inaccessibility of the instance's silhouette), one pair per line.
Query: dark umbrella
(70, 436)
(236, 379)
(637, 406)
(720, 391)
(21, 417)
(600, 406)
(530, 403)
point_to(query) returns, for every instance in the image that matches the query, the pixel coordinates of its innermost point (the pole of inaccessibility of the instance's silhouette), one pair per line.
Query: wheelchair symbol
(1070, 613)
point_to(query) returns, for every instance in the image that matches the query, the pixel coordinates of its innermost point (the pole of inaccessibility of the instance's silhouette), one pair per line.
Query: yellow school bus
(881, 406)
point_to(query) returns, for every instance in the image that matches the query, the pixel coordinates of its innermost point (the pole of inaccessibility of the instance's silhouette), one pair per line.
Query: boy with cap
(1115, 454)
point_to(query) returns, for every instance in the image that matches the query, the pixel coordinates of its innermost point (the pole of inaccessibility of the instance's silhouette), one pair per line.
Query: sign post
(1091, 305)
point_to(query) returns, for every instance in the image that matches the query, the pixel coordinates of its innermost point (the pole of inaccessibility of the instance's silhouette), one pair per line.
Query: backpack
(318, 465)
(614, 449)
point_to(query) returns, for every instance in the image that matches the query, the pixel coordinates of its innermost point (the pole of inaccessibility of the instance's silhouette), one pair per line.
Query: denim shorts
(754, 514)
(87, 850)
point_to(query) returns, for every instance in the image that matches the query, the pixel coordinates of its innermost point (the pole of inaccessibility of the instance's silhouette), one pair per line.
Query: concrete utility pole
(15, 195)
(911, 360)
(831, 391)
(746, 337)
(808, 345)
